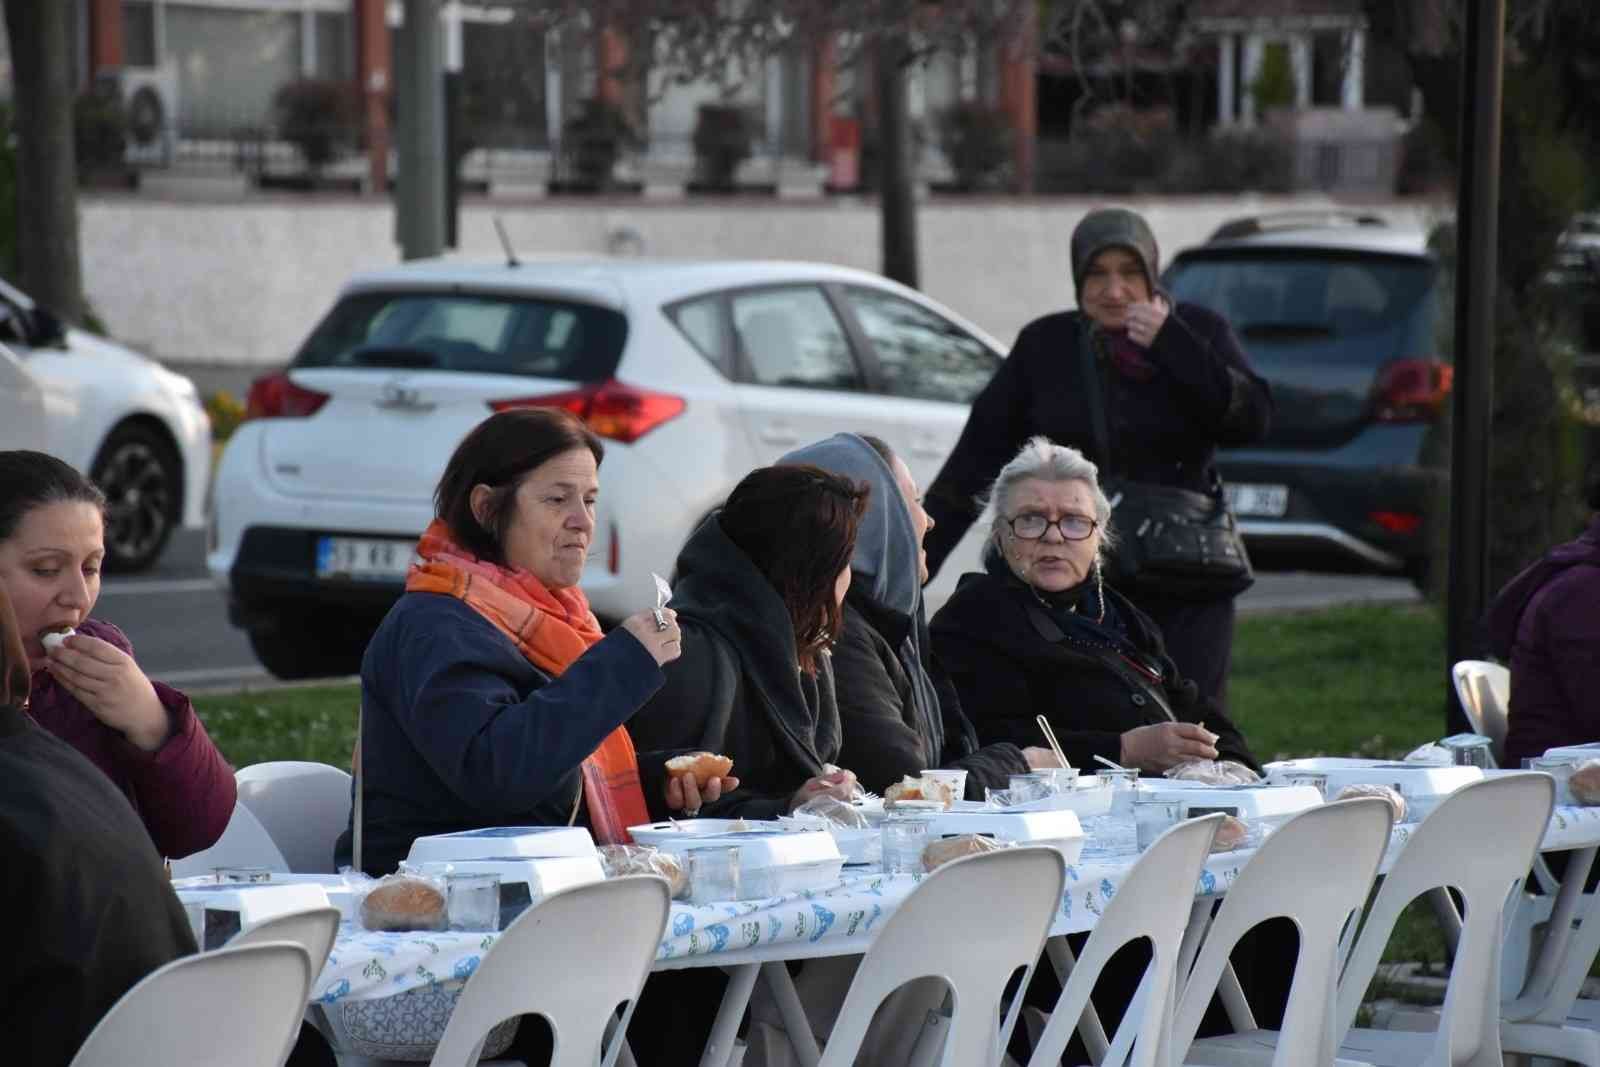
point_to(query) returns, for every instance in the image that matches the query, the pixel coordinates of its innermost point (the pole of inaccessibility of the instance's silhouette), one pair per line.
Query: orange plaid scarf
(552, 628)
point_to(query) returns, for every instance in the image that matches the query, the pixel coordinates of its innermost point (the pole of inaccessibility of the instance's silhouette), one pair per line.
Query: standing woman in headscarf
(1174, 387)
(89, 910)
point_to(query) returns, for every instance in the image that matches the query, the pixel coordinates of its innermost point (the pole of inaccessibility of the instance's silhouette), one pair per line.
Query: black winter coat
(1008, 672)
(1165, 430)
(882, 737)
(737, 689)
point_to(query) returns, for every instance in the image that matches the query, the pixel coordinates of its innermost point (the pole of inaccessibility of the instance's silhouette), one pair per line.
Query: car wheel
(294, 649)
(142, 479)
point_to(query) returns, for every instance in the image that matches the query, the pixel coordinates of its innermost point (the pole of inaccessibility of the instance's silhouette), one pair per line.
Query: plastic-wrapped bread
(1585, 782)
(404, 902)
(620, 860)
(909, 788)
(938, 853)
(1397, 803)
(1231, 834)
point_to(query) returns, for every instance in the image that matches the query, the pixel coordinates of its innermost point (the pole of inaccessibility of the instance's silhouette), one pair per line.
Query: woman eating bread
(758, 592)
(87, 689)
(489, 694)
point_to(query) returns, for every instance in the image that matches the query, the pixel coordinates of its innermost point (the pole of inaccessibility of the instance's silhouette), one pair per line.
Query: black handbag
(1170, 541)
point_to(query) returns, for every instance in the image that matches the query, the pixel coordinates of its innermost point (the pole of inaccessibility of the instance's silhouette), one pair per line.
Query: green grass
(301, 723)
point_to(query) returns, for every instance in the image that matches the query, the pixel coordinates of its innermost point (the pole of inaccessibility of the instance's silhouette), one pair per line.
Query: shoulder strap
(1046, 628)
(1091, 390)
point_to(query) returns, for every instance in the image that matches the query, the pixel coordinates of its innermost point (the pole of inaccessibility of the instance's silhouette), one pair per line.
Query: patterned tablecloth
(839, 920)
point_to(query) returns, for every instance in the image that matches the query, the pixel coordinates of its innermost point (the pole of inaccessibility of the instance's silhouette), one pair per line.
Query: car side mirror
(45, 330)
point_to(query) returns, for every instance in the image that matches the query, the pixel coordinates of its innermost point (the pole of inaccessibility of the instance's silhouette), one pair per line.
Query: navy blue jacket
(460, 731)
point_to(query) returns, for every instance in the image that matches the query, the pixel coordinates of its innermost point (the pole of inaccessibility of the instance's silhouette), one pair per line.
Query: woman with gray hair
(1041, 634)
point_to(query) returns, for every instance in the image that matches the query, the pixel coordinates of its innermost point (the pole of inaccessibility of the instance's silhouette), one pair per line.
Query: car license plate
(1270, 501)
(362, 559)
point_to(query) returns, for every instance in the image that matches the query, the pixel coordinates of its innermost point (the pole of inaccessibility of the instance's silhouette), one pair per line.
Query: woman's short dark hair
(31, 480)
(497, 453)
(798, 526)
(880, 446)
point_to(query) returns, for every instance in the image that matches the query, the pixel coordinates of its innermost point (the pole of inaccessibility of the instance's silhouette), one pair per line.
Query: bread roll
(703, 766)
(1585, 783)
(940, 852)
(1397, 803)
(620, 860)
(55, 638)
(910, 788)
(403, 903)
(1231, 833)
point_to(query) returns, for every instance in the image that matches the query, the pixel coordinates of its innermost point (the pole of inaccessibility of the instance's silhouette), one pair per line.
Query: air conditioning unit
(150, 98)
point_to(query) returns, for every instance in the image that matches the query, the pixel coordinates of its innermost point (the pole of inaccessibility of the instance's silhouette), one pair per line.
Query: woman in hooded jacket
(898, 712)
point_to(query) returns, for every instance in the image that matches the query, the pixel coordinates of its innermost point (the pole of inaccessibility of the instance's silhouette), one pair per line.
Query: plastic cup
(1065, 779)
(1315, 779)
(999, 798)
(1034, 785)
(472, 901)
(956, 780)
(714, 874)
(904, 838)
(243, 875)
(1560, 768)
(1153, 817)
(1469, 750)
(1124, 786)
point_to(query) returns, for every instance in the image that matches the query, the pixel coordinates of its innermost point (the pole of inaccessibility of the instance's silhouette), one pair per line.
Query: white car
(693, 373)
(137, 429)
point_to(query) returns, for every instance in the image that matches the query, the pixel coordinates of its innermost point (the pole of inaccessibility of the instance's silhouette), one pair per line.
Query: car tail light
(1412, 390)
(274, 396)
(611, 409)
(1397, 522)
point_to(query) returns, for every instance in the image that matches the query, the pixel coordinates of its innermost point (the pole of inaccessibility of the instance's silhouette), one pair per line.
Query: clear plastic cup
(1124, 786)
(1153, 817)
(1316, 779)
(955, 779)
(243, 875)
(1065, 779)
(714, 874)
(472, 900)
(904, 838)
(1469, 750)
(1560, 768)
(1034, 785)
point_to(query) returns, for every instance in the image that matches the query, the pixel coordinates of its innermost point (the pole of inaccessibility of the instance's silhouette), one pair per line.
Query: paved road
(179, 624)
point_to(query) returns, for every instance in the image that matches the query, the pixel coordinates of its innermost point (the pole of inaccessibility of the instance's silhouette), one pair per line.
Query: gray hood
(887, 557)
(1113, 227)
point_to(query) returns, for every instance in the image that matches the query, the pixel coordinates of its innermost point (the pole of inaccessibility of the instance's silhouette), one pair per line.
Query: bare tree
(47, 181)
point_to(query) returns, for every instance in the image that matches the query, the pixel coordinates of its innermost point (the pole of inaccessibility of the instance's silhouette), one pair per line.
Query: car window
(790, 336)
(481, 333)
(921, 355)
(701, 320)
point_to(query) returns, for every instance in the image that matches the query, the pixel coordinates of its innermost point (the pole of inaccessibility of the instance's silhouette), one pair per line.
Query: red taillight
(1397, 522)
(1412, 390)
(611, 409)
(274, 396)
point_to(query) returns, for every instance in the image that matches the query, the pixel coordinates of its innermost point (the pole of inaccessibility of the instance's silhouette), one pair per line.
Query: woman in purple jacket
(88, 690)
(1545, 625)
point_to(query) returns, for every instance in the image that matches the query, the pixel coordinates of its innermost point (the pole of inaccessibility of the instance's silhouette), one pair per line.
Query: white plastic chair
(238, 1006)
(303, 806)
(974, 923)
(573, 958)
(1549, 1018)
(1153, 902)
(313, 930)
(1316, 871)
(245, 843)
(1484, 690)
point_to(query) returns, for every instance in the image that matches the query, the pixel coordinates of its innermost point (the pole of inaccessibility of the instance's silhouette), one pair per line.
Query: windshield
(484, 333)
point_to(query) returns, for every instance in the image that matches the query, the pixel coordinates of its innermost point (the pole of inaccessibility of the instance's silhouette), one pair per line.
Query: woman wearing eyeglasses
(1040, 633)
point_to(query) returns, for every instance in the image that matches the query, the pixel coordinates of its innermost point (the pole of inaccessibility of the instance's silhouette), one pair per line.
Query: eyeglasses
(1031, 526)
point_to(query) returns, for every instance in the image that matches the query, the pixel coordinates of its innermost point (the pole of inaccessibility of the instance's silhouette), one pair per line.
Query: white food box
(1246, 801)
(1058, 828)
(218, 911)
(543, 875)
(1590, 750)
(1411, 779)
(773, 860)
(498, 841)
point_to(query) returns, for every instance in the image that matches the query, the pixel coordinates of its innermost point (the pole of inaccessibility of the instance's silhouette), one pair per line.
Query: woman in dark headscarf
(89, 908)
(898, 714)
(1174, 386)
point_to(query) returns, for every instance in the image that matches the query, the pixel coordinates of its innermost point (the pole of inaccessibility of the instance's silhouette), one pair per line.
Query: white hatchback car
(137, 429)
(693, 373)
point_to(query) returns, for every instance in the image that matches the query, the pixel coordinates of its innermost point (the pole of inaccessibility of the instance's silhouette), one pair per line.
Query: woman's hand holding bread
(698, 778)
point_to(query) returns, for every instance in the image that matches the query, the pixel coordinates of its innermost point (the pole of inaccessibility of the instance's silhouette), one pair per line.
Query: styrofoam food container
(542, 874)
(772, 861)
(678, 829)
(1413, 780)
(498, 841)
(1246, 801)
(1059, 828)
(1589, 750)
(252, 903)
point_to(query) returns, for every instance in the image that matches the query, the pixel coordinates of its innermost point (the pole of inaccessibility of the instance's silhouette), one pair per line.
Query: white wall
(241, 283)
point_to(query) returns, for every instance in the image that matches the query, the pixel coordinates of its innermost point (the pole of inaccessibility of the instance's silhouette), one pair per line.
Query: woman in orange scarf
(489, 695)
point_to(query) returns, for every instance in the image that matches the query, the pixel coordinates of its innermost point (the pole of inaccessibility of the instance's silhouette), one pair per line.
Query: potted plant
(593, 140)
(976, 139)
(724, 136)
(319, 117)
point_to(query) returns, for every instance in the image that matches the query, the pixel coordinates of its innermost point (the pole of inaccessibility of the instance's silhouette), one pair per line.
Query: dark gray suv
(1338, 312)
